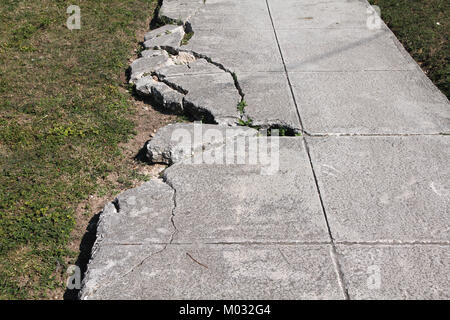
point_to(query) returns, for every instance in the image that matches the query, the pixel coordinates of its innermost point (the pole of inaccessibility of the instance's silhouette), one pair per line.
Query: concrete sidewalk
(359, 206)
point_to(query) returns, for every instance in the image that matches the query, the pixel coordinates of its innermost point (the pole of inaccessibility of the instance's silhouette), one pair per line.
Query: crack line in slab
(244, 119)
(199, 263)
(284, 243)
(171, 236)
(334, 255)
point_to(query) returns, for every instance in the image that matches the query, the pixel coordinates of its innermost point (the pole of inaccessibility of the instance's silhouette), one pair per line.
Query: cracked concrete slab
(213, 272)
(239, 204)
(162, 94)
(269, 101)
(248, 50)
(180, 10)
(210, 95)
(197, 67)
(145, 66)
(175, 142)
(391, 189)
(400, 102)
(170, 38)
(331, 209)
(396, 272)
(163, 30)
(138, 215)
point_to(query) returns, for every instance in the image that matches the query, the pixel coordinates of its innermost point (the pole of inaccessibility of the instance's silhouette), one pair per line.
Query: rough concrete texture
(170, 38)
(164, 30)
(352, 103)
(140, 215)
(161, 93)
(396, 272)
(294, 14)
(388, 189)
(211, 96)
(356, 208)
(269, 101)
(342, 50)
(175, 142)
(240, 205)
(146, 66)
(213, 272)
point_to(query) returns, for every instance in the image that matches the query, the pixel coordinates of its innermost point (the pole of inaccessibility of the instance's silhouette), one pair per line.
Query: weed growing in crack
(241, 106)
(246, 123)
(186, 38)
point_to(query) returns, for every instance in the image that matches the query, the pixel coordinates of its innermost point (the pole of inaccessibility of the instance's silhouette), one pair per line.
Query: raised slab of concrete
(176, 142)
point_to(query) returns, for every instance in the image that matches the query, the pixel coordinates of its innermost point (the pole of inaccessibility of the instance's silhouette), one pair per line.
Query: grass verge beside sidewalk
(423, 27)
(65, 110)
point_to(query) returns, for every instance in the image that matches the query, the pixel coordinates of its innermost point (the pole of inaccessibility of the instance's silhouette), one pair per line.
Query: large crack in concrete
(151, 75)
(151, 80)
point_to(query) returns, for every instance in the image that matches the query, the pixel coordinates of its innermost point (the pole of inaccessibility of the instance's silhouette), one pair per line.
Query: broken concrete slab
(236, 50)
(140, 215)
(389, 189)
(234, 224)
(168, 39)
(212, 272)
(164, 96)
(179, 11)
(240, 203)
(212, 97)
(197, 67)
(153, 53)
(343, 50)
(294, 14)
(145, 66)
(378, 102)
(269, 100)
(175, 142)
(161, 31)
(402, 272)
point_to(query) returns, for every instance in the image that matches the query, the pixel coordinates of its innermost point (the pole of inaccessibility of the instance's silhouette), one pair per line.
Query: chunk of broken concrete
(175, 142)
(163, 95)
(145, 66)
(169, 39)
(166, 29)
(153, 53)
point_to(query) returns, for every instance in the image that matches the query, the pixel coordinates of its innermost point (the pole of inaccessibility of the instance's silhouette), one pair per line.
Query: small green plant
(186, 38)
(241, 106)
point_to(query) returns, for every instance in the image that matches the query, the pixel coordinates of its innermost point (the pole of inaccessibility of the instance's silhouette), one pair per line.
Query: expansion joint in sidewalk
(334, 254)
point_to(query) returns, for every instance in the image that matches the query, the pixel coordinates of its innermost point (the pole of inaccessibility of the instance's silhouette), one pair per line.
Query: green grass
(423, 28)
(63, 112)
